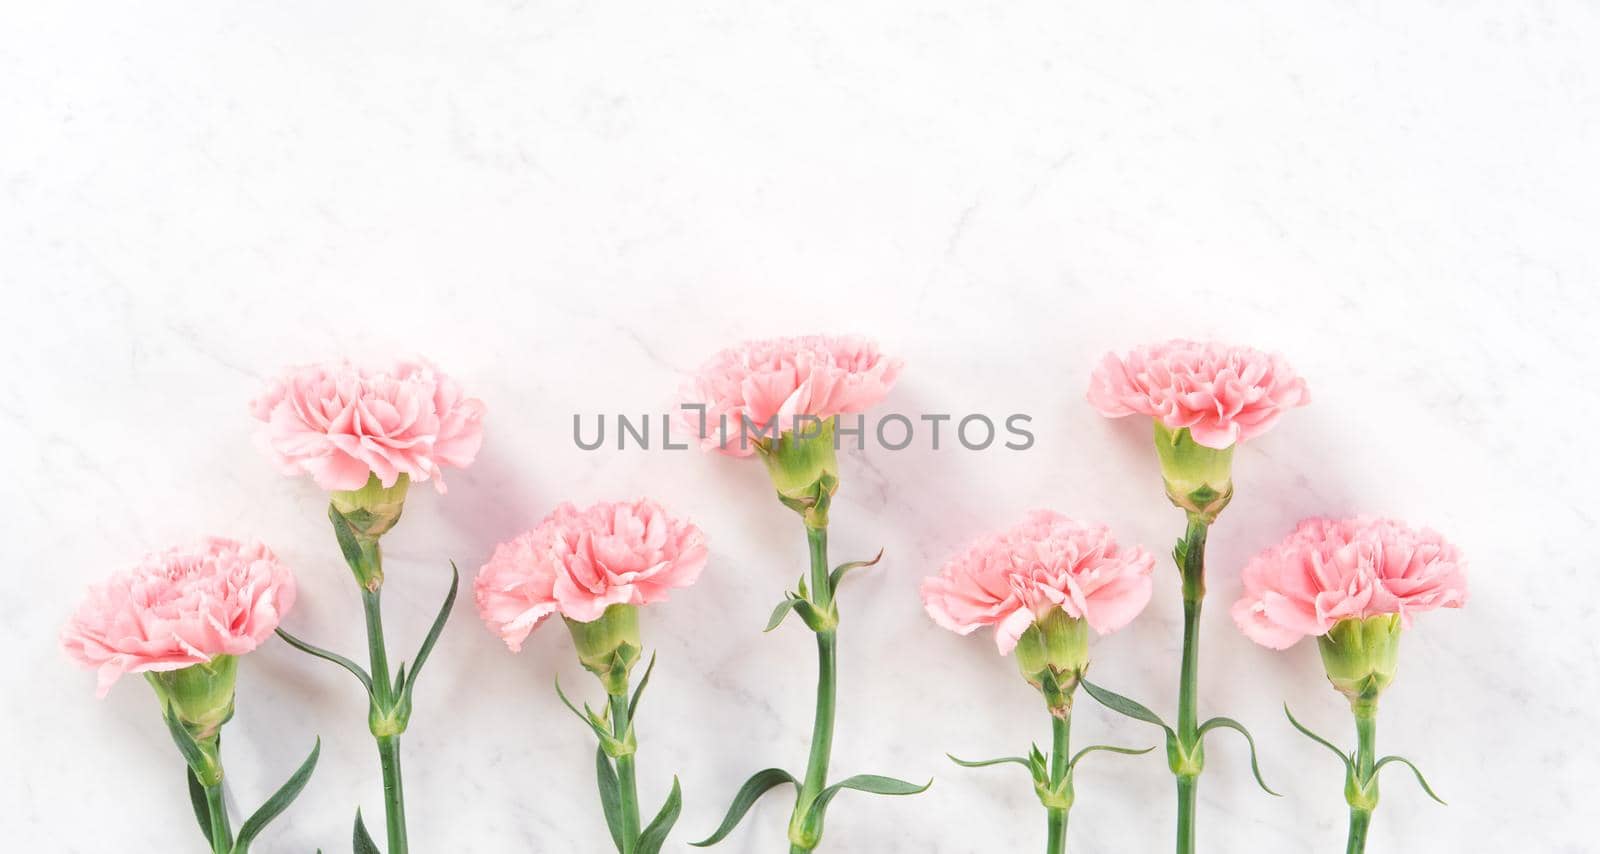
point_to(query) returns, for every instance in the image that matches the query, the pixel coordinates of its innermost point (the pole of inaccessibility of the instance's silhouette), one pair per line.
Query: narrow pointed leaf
(781, 611)
(842, 569)
(655, 834)
(871, 783)
(1406, 762)
(1343, 757)
(434, 631)
(748, 794)
(197, 799)
(1255, 767)
(400, 681)
(191, 750)
(633, 704)
(319, 652)
(1118, 703)
(1126, 751)
(279, 802)
(610, 795)
(985, 763)
(361, 839)
(346, 537)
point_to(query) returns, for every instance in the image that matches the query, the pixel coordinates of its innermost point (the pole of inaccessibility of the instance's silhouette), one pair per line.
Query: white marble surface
(568, 204)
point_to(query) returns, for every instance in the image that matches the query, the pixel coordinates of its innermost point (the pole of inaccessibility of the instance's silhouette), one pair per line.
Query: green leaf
(748, 794)
(1126, 751)
(1118, 703)
(279, 802)
(1230, 723)
(633, 704)
(1349, 766)
(361, 839)
(842, 569)
(1406, 762)
(871, 783)
(610, 795)
(433, 634)
(319, 652)
(193, 753)
(400, 681)
(655, 834)
(985, 763)
(197, 799)
(346, 536)
(782, 611)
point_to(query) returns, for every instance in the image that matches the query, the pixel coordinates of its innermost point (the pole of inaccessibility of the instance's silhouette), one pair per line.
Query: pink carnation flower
(180, 607)
(340, 424)
(579, 562)
(1328, 571)
(1223, 394)
(814, 375)
(1011, 579)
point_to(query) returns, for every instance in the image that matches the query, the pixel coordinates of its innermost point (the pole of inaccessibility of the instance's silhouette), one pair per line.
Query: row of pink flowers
(342, 424)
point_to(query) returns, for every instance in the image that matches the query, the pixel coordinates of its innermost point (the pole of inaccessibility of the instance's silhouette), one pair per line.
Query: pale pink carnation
(814, 375)
(1330, 570)
(180, 607)
(579, 562)
(340, 423)
(1223, 394)
(1011, 579)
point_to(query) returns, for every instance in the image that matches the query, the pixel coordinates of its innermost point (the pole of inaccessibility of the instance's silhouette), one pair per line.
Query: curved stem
(221, 835)
(827, 690)
(1061, 728)
(1193, 571)
(627, 778)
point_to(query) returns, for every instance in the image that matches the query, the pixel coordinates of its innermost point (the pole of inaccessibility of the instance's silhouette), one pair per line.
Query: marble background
(570, 204)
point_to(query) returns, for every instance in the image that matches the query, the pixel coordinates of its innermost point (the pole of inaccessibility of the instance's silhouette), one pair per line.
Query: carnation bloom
(579, 562)
(1329, 571)
(1011, 579)
(180, 607)
(1222, 394)
(815, 375)
(343, 424)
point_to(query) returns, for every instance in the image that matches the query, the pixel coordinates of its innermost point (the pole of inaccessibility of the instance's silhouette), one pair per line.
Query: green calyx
(804, 466)
(610, 646)
(1361, 656)
(360, 517)
(200, 696)
(1053, 655)
(1199, 479)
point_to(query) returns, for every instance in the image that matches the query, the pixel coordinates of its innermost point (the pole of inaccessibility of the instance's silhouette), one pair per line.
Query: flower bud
(1053, 655)
(373, 509)
(610, 646)
(1361, 655)
(804, 466)
(1199, 479)
(200, 695)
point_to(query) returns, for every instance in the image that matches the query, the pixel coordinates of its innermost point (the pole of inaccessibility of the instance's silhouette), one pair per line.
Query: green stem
(1366, 712)
(1061, 728)
(816, 778)
(1193, 571)
(394, 799)
(627, 778)
(381, 720)
(221, 835)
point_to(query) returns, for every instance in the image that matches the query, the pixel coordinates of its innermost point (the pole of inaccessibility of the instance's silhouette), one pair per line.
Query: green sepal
(202, 760)
(197, 800)
(752, 790)
(279, 802)
(1230, 723)
(633, 704)
(361, 840)
(319, 652)
(1378, 766)
(655, 833)
(842, 569)
(610, 795)
(600, 724)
